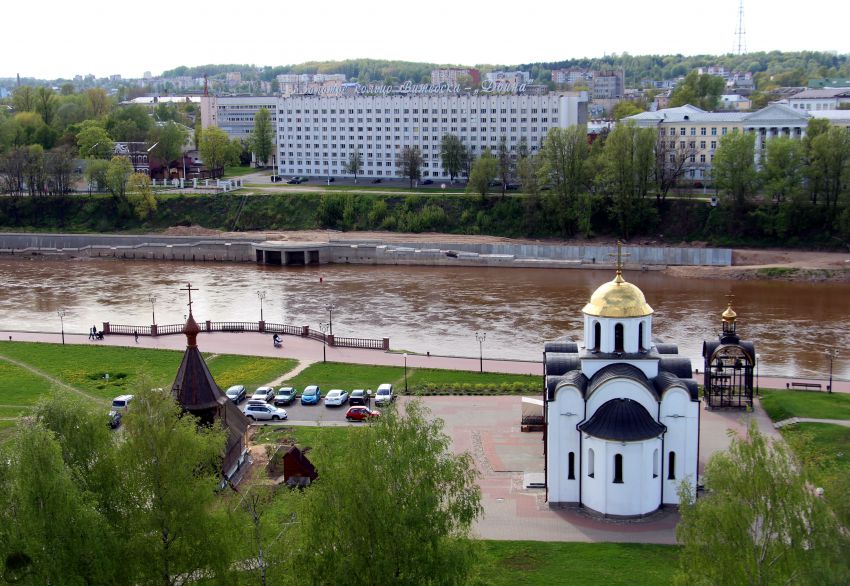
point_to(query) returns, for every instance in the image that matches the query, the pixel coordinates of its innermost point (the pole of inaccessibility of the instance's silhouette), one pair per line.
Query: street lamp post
(758, 387)
(152, 299)
(261, 295)
(61, 314)
(832, 354)
(324, 327)
(330, 307)
(405, 373)
(481, 336)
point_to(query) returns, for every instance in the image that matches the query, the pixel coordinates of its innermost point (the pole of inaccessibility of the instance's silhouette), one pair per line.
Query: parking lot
(298, 414)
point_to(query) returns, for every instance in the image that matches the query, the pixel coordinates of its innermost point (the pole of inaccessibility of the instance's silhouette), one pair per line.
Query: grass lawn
(816, 404)
(330, 375)
(239, 171)
(84, 366)
(304, 437)
(514, 563)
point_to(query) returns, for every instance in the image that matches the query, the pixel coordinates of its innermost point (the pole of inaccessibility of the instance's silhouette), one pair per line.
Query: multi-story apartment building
(450, 75)
(317, 134)
(517, 77)
(572, 75)
(696, 133)
(608, 85)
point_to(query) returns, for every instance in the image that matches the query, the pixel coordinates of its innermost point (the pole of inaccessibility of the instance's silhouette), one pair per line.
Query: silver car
(265, 413)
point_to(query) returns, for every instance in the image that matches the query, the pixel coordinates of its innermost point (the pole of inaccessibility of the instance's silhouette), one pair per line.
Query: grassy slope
(816, 404)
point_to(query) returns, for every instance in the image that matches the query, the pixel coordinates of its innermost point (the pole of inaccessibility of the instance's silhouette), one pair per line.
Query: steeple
(729, 316)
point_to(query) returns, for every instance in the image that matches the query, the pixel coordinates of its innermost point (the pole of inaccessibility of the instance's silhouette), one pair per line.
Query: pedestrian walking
(91, 333)
(136, 334)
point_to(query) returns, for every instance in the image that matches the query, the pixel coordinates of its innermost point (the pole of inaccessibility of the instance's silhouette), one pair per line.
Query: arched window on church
(590, 463)
(618, 338)
(618, 469)
(571, 466)
(640, 338)
(671, 466)
(597, 335)
(655, 463)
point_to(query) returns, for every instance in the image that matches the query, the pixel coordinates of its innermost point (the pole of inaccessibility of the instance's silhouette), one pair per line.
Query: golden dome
(618, 298)
(729, 315)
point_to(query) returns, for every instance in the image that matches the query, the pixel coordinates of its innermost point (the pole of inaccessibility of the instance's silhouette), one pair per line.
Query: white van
(121, 403)
(384, 395)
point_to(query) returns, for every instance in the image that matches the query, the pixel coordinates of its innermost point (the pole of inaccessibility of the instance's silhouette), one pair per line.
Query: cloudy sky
(49, 39)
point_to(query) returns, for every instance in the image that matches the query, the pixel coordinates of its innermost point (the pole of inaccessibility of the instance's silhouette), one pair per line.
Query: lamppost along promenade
(261, 295)
(405, 373)
(152, 300)
(330, 307)
(481, 336)
(61, 314)
(832, 354)
(324, 327)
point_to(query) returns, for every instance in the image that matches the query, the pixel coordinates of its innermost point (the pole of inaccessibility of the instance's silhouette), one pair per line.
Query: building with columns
(699, 132)
(622, 413)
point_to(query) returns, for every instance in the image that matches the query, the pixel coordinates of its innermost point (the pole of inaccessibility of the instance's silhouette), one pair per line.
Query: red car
(361, 413)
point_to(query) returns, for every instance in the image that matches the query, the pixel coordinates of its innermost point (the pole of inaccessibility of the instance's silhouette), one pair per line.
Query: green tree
(564, 166)
(45, 104)
(354, 164)
(97, 102)
(505, 164)
(169, 139)
(734, 168)
(129, 123)
(95, 173)
(410, 164)
(141, 195)
(702, 91)
(59, 168)
(262, 139)
(829, 165)
(171, 471)
(624, 109)
(423, 499)
(453, 154)
(483, 171)
(782, 168)
(93, 141)
(629, 167)
(759, 522)
(215, 150)
(118, 173)
(23, 99)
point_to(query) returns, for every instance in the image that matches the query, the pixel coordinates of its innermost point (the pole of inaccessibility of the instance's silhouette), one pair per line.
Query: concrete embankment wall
(190, 248)
(454, 254)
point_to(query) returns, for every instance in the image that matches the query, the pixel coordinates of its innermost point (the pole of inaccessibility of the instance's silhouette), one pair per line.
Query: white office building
(317, 134)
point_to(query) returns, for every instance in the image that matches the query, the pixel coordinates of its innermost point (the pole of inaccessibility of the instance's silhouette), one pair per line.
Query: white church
(622, 411)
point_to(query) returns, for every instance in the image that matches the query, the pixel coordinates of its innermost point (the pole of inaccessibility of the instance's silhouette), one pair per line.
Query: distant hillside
(775, 67)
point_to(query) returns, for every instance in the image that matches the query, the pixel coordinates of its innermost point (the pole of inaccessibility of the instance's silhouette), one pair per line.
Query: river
(437, 310)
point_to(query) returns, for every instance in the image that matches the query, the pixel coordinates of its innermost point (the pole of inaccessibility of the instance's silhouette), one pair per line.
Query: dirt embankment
(789, 265)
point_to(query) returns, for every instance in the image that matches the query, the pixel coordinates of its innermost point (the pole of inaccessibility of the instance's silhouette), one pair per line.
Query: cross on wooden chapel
(620, 254)
(189, 289)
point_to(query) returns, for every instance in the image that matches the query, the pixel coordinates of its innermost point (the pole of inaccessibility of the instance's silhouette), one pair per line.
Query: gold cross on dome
(189, 288)
(620, 254)
(730, 297)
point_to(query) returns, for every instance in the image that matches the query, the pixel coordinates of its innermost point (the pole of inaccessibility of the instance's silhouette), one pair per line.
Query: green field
(331, 375)
(815, 404)
(516, 563)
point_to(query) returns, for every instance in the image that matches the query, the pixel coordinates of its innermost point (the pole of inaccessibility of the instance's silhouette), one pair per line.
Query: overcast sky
(52, 39)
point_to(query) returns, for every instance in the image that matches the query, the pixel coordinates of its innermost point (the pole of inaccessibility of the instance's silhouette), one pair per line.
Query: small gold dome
(618, 298)
(729, 315)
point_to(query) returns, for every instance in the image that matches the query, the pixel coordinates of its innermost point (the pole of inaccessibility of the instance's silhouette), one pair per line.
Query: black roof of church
(623, 420)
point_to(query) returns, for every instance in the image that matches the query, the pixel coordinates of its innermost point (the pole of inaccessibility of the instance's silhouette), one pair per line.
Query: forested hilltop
(774, 67)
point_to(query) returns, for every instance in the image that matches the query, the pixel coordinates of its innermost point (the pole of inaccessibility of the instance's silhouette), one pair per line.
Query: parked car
(360, 397)
(384, 395)
(114, 420)
(293, 181)
(428, 182)
(263, 393)
(303, 179)
(378, 180)
(276, 178)
(236, 393)
(331, 179)
(336, 397)
(361, 413)
(311, 395)
(265, 413)
(121, 403)
(285, 396)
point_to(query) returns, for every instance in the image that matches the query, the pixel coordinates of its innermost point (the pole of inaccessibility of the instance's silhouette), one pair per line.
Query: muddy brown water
(437, 310)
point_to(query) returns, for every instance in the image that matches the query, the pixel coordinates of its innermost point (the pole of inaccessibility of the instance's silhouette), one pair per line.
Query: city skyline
(440, 32)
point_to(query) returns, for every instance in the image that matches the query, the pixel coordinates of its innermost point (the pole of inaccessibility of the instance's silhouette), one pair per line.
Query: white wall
(638, 494)
(564, 413)
(682, 437)
(632, 341)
